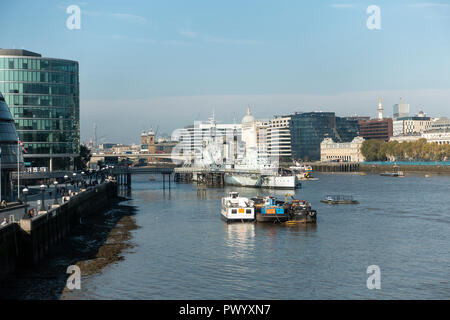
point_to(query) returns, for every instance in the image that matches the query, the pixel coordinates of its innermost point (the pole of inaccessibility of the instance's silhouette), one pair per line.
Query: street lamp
(65, 179)
(43, 196)
(82, 179)
(56, 192)
(25, 192)
(75, 182)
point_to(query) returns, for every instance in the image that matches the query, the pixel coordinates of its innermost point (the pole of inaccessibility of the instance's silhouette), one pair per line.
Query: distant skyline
(166, 64)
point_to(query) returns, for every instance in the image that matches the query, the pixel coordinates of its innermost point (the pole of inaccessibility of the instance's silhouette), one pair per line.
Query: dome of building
(248, 118)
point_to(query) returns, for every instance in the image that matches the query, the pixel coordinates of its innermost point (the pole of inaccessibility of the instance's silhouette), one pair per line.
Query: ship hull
(273, 218)
(303, 216)
(258, 181)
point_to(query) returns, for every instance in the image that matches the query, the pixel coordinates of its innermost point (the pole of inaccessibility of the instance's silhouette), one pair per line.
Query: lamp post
(55, 183)
(43, 197)
(65, 179)
(75, 182)
(25, 192)
(82, 179)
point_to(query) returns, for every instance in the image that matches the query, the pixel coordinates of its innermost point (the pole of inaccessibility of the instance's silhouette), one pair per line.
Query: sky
(166, 64)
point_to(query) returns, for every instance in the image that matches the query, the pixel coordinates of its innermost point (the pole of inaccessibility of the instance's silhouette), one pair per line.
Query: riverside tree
(419, 150)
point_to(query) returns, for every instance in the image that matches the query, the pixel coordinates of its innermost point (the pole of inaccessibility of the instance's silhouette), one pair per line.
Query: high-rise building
(43, 96)
(401, 110)
(279, 137)
(309, 129)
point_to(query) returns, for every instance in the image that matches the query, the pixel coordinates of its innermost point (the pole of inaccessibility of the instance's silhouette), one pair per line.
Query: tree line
(419, 150)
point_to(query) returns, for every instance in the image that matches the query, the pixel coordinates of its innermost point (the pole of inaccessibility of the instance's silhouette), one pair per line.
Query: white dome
(248, 118)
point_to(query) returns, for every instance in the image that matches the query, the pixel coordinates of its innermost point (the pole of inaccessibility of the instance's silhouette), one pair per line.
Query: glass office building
(10, 153)
(43, 96)
(309, 129)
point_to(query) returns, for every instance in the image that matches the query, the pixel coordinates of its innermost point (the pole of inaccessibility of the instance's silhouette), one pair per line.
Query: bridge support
(164, 179)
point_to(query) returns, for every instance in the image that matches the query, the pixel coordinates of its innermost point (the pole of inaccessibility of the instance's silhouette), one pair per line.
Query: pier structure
(210, 177)
(165, 171)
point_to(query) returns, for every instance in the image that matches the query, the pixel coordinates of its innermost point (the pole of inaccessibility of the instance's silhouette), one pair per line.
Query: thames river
(183, 250)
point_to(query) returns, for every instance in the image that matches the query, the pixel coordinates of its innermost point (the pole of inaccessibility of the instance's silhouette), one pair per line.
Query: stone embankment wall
(27, 242)
(405, 168)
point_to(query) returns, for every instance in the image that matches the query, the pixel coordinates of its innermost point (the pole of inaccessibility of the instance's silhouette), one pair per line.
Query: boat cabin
(270, 206)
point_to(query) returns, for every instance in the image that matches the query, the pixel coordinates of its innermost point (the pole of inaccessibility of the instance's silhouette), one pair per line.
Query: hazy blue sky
(168, 63)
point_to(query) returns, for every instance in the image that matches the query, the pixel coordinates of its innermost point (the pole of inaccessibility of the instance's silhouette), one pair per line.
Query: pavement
(33, 200)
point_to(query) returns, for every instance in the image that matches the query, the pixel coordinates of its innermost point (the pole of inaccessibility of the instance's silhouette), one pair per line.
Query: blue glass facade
(43, 97)
(310, 128)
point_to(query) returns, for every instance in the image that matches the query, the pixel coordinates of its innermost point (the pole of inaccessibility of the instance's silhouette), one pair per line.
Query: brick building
(380, 129)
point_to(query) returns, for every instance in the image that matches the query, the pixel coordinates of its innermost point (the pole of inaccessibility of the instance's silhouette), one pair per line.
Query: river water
(183, 250)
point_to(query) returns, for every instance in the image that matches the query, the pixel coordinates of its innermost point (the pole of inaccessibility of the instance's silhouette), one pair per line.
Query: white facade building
(345, 152)
(193, 139)
(437, 136)
(279, 137)
(440, 124)
(410, 125)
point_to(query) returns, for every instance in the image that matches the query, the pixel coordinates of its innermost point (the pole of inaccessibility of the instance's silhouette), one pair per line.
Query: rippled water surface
(183, 250)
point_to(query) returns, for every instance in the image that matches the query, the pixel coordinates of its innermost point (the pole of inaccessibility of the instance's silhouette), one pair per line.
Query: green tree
(371, 150)
(83, 159)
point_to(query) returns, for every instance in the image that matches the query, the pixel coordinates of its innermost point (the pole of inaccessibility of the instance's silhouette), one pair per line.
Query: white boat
(300, 167)
(237, 209)
(258, 180)
(302, 171)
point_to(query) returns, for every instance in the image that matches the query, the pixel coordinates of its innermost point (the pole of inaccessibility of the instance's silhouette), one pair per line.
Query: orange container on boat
(241, 210)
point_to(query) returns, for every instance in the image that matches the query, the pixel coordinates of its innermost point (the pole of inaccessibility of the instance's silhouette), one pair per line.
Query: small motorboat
(237, 209)
(306, 176)
(339, 199)
(152, 178)
(399, 174)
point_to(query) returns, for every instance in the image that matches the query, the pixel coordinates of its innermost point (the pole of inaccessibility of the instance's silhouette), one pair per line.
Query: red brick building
(376, 129)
